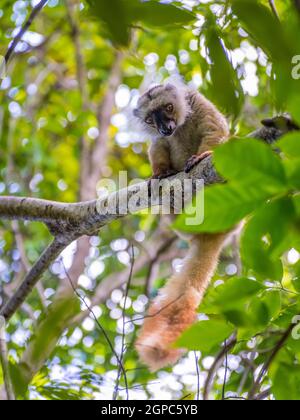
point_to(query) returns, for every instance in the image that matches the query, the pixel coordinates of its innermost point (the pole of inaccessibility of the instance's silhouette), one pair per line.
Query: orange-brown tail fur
(175, 308)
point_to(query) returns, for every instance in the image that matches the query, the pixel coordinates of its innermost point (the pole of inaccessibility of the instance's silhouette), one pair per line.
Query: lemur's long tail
(175, 308)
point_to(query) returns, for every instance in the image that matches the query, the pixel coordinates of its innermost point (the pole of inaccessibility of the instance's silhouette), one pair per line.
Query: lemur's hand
(161, 176)
(164, 175)
(194, 160)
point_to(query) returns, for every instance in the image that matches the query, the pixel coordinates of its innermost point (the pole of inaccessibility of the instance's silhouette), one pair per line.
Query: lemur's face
(160, 110)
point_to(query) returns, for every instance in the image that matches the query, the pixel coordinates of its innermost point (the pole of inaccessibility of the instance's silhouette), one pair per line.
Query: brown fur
(199, 128)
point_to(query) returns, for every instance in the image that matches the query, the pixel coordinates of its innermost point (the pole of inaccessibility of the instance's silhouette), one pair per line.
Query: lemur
(184, 128)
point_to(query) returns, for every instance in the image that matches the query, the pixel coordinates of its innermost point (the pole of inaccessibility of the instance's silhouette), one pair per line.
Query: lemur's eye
(170, 108)
(149, 120)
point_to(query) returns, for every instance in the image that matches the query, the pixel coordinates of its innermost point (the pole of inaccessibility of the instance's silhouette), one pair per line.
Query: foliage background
(65, 125)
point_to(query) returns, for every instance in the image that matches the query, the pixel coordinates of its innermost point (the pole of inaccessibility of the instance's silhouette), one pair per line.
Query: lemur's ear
(169, 86)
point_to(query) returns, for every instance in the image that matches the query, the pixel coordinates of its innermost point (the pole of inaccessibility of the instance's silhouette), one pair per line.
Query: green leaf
(120, 15)
(236, 291)
(225, 87)
(158, 14)
(272, 299)
(115, 15)
(266, 237)
(225, 205)
(286, 383)
(260, 23)
(290, 145)
(250, 160)
(205, 335)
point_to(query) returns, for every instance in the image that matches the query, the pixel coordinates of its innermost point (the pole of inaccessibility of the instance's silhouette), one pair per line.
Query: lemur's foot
(194, 160)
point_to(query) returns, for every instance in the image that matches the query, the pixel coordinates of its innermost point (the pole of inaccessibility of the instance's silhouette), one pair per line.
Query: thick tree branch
(87, 217)
(24, 29)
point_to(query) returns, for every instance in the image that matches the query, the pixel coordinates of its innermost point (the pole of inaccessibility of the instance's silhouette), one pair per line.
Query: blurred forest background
(65, 126)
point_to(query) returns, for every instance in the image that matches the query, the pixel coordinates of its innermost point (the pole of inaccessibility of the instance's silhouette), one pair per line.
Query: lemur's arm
(160, 159)
(209, 142)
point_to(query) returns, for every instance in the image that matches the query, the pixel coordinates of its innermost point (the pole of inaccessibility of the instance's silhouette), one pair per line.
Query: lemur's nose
(171, 126)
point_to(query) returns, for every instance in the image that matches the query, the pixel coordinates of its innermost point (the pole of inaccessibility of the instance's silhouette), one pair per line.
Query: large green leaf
(250, 160)
(256, 174)
(262, 25)
(266, 237)
(225, 86)
(236, 291)
(290, 145)
(225, 205)
(205, 335)
(286, 383)
(116, 17)
(158, 14)
(120, 15)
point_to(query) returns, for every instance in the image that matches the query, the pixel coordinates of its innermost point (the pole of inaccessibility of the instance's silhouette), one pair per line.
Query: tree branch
(24, 29)
(268, 363)
(43, 263)
(216, 365)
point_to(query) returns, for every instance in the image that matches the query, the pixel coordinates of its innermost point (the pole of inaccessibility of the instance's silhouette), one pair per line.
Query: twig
(124, 324)
(216, 365)
(226, 370)
(273, 8)
(82, 299)
(198, 375)
(24, 29)
(4, 362)
(269, 361)
(265, 394)
(153, 261)
(156, 313)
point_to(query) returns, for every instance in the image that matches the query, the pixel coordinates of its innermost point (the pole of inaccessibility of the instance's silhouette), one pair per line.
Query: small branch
(268, 363)
(198, 375)
(123, 328)
(273, 8)
(4, 362)
(102, 330)
(24, 29)
(264, 395)
(216, 365)
(43, 263)
(226, 371)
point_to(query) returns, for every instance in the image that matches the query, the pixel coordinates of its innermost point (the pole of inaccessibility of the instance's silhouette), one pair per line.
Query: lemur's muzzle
(165, 126)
